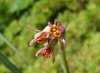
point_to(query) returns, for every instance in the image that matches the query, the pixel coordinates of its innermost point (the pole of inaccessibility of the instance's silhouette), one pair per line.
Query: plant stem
(63, 60)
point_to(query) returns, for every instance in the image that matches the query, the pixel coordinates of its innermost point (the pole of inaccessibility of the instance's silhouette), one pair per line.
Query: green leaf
(8, 64)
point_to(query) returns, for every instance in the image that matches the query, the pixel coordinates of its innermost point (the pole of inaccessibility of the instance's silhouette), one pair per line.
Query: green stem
(63, 60)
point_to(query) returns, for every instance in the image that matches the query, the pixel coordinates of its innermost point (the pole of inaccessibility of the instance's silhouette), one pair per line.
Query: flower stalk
(63, 60)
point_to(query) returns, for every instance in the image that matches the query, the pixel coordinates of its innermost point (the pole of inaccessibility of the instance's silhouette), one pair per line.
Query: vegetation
(83, 36)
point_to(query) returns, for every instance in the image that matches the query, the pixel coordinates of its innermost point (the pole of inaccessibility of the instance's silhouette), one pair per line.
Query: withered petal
(32, 42)
(35, 38)
(46, 29)
(63, 42)
(56, 22)
(62, 29)
(39, 51)
(49, 24)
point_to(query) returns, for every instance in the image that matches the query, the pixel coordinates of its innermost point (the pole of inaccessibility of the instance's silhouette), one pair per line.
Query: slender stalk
(63, 60)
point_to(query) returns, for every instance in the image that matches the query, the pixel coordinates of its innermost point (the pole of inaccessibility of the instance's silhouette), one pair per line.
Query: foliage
(83, 36)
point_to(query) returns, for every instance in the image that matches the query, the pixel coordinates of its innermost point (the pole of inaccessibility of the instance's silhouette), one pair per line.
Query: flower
(55, 31)
(58, 31)
(47, 51)
(41, 36)
(49, 36)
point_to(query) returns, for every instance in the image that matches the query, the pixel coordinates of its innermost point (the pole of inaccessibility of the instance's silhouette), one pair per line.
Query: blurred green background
(83, 37)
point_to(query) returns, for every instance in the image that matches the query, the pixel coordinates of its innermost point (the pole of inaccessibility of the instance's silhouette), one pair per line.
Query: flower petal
(46, 29)
(49, 24)
(35, 39)
(45, 52)
(32, 42)
(39, 51)
(45, 44)
(37, 35)
(62, 29)
(62, 43)
(56, 22)
(43, 37)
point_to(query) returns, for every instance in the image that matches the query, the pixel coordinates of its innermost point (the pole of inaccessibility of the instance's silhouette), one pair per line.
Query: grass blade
(8, 64)
(13, 48)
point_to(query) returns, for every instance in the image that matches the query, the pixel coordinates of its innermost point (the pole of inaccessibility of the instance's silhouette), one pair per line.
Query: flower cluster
(49, 36)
